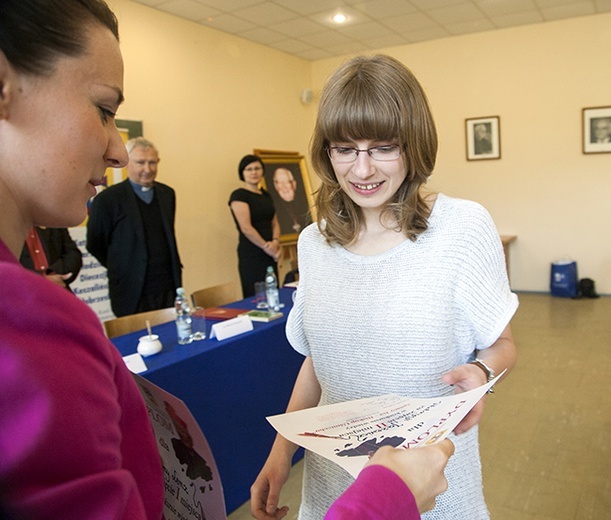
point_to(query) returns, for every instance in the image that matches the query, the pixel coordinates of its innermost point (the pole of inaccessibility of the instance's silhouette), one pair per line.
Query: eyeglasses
(343, 154)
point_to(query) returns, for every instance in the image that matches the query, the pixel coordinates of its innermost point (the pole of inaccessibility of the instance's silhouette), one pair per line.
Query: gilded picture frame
(286, 179)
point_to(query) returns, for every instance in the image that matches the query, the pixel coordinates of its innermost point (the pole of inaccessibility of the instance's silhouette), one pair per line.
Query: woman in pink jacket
(75, 439)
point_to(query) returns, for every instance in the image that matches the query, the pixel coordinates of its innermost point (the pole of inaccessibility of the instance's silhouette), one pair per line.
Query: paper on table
(135, 363)
(346, 433)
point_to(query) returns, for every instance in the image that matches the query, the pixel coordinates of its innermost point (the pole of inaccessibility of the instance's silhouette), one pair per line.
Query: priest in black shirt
(131, 232)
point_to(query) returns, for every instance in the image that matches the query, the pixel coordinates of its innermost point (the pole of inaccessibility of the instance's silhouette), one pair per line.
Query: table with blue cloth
(230, 386)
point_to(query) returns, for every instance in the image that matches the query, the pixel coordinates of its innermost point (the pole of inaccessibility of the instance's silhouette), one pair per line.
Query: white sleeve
(484, 299)
(295, 332)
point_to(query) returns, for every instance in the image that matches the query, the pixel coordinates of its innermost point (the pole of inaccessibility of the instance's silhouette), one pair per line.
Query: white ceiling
(305, 28)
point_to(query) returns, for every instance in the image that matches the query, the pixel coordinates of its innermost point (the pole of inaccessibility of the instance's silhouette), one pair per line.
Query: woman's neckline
(258, 191)
(431, 200)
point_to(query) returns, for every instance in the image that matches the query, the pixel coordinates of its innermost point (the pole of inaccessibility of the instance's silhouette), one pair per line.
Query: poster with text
(193, 489)
(91, 284)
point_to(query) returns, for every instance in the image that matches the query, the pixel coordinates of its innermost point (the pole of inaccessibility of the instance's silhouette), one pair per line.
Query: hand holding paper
(465, 378)
(347, 433)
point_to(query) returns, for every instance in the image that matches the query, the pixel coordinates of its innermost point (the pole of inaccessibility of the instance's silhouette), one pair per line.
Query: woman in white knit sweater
(400, 291)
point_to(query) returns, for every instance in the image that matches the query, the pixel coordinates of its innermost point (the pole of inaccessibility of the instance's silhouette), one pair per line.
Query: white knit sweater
(395, 323)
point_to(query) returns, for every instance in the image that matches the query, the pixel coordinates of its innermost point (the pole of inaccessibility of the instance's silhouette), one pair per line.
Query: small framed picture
(483, 138)
(597, 130)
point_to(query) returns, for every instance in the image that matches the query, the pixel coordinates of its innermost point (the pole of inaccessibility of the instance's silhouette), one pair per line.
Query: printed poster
(193, 489)
(91, 284)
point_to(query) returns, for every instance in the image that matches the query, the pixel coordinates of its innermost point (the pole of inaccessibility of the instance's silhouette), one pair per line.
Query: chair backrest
(125, 324)
(291, 277)
(214, 296)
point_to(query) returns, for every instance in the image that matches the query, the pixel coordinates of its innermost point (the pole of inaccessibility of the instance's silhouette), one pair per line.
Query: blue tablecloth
(230, 386)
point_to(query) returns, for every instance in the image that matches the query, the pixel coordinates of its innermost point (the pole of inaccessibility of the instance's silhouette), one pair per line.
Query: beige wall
(207, 98)
(543, 189)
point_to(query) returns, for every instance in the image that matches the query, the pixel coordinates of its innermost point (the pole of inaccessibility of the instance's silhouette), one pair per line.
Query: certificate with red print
(348, 433)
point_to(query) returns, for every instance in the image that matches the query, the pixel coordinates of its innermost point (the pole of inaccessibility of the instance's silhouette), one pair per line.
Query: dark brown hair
(245, 161)
(34, 33)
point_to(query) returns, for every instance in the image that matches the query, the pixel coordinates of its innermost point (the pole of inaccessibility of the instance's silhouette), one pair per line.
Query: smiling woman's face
(253, 173)
(369, 183)
(63, 134)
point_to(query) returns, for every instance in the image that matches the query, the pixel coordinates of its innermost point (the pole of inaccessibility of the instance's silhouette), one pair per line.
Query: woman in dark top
(255, 217)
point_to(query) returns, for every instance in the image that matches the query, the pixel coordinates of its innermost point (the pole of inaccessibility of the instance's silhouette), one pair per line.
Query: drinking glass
(260, 296)
(198, 324)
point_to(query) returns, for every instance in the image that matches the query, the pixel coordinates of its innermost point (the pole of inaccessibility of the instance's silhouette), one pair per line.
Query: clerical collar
(145, 193)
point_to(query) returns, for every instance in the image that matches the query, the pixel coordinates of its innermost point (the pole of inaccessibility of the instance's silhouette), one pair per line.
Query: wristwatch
(487, 370)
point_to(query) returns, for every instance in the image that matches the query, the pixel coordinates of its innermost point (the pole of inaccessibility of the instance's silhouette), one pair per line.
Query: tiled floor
(546, 434)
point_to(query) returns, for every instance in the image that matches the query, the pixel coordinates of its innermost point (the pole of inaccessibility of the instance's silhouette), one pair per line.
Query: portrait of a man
(597, 130)
(601, 130)
(482, 138)
(287, 187)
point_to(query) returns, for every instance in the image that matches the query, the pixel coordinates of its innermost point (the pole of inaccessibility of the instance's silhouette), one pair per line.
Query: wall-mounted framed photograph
(483, 138)
(597, 130)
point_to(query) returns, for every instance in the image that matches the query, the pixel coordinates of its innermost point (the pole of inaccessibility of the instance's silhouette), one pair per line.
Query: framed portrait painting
(286, 179)
(597, 130)
(483, 138)
(128, 130)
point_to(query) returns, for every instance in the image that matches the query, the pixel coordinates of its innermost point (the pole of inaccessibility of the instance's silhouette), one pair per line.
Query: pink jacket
(377, 494)
(75, 439)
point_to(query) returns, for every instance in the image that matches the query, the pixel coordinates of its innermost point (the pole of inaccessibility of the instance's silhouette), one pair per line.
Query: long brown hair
(373, 98)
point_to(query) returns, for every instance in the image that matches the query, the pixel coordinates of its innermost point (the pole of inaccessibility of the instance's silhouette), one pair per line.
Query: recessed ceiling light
(339, 18)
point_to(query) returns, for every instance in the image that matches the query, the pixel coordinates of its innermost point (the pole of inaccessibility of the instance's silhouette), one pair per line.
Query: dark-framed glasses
(345, 154)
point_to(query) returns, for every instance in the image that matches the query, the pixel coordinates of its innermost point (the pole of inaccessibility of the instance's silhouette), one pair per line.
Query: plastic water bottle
(271, 290)
(183, 318)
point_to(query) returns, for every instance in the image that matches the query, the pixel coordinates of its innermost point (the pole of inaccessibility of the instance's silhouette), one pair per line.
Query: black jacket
(115, 236)
(61, 251)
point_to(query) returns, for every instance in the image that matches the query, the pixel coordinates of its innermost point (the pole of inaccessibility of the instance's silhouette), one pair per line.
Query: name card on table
(230, 328)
